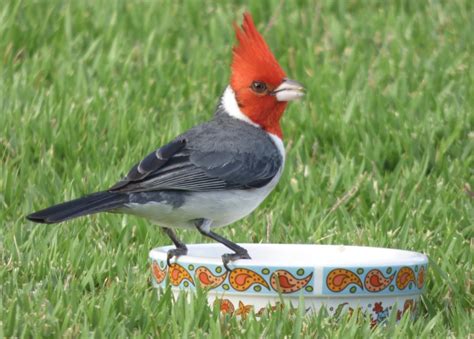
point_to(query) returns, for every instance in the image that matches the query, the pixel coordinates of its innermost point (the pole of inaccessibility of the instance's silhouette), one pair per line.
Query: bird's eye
(259, 87)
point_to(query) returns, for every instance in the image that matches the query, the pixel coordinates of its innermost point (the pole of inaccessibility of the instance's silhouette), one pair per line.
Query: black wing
(205, 159)
(151, 163)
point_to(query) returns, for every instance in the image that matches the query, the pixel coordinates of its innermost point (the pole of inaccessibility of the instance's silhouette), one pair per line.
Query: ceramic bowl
(376, 281)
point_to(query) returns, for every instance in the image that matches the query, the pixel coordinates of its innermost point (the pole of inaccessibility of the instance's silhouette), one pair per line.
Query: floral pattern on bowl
(366, 280)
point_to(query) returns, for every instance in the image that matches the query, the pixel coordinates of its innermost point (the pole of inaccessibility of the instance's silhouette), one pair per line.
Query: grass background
(379, 153)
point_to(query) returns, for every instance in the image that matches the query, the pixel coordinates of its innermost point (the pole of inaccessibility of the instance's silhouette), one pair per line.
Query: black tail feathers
(94, 203)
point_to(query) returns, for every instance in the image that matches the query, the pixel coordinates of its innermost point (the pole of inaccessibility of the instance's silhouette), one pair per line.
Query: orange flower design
(243, 310)
(226, 306)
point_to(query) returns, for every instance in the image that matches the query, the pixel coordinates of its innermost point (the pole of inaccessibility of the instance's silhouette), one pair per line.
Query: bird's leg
(203, 226)
(180, 249)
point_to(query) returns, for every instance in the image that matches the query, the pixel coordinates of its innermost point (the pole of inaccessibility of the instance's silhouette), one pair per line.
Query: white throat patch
(229, 103)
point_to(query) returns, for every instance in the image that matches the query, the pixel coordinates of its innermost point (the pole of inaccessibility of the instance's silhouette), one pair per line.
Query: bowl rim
(343, 256)
(350, 278)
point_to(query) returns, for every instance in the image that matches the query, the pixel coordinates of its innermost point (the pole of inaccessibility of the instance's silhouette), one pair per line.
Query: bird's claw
(228, 257)
(175, 252)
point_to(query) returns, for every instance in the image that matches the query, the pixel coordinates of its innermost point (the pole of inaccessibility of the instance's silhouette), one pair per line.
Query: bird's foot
(176, 252)
(228, 257)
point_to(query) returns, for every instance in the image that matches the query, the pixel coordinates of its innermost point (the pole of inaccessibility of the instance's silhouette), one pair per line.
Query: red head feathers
(259, 83)
(252, 57)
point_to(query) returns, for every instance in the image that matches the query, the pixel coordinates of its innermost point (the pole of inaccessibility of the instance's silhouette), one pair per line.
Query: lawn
(380, 152)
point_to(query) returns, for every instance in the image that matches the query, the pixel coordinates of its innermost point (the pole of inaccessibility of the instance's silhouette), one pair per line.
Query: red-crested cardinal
(215, 173)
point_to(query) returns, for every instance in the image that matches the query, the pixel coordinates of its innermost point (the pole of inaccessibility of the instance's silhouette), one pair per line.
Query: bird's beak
(289, 90)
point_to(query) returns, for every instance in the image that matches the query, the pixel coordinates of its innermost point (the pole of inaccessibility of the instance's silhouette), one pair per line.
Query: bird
(215, 173)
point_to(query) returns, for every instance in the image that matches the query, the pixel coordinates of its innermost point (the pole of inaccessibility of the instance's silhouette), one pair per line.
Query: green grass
(88, 87)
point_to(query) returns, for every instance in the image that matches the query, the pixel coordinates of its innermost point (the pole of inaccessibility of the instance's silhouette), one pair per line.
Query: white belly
(222, 207)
